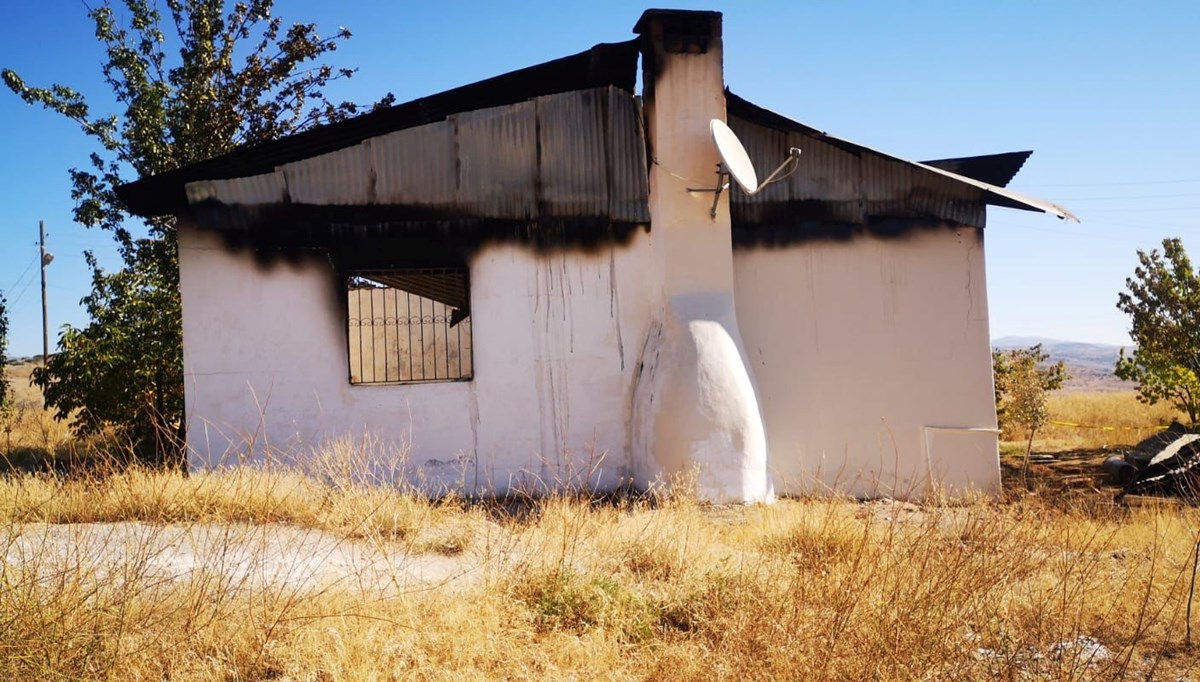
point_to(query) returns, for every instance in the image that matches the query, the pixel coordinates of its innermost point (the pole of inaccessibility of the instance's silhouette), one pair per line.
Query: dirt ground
(1075, 478)
(1074, 471)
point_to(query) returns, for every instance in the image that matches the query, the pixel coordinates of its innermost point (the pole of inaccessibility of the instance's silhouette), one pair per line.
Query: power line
(18, 280)
(23, 290)
(1073, 233)
(1129, 198)
(1157, 209)
(1146, 226)
(1115, 184)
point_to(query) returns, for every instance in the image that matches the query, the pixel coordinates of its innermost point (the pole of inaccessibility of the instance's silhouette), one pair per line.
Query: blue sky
(1106, 93)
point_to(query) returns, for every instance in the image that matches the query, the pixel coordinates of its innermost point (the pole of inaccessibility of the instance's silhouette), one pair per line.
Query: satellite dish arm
(793, 157)
(722, 185)
(735, 163)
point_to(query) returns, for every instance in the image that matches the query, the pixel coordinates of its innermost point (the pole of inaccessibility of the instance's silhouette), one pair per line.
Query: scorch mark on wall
(614, 304)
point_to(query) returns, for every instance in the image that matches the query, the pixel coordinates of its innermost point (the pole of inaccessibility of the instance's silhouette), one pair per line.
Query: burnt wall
(812, 222)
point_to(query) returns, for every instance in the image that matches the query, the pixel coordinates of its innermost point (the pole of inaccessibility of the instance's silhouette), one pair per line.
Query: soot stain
(390, 236)
(350, 238)
(796, 222)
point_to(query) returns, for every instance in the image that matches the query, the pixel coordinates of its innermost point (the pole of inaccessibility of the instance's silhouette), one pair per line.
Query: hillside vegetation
(1089, 364)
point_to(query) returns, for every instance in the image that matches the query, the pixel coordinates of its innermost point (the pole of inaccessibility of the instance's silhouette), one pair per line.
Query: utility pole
(46, 258)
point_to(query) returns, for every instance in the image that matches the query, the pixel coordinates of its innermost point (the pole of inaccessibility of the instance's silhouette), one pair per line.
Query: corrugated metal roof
(497, 160)
(569, 155)
(628, 179)
(573, 155)
(330, 179)
(268, 188)
(605, 64)
(832, 185)
(404, 175)
(852, 183)
(994, 169)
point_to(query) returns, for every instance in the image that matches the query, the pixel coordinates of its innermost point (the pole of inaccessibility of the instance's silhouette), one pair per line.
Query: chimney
(697, 410)
(683, 89)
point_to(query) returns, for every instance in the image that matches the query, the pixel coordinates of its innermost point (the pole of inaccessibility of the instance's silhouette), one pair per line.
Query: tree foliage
(213, 79)
(1163, 303)
(1022, 379)
(133, 336)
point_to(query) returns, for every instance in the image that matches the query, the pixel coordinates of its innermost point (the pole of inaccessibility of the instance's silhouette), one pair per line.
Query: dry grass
(572, 588)
(30, 432)
(316, 574)
(1131, 421)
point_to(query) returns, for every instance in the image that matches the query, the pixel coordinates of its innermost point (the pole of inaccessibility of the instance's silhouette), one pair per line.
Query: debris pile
(1167, 463)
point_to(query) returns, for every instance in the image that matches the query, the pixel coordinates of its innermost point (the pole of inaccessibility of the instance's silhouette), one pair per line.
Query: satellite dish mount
(735, 163)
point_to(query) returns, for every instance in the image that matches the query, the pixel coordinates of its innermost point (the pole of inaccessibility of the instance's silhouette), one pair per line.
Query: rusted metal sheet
(571, 155)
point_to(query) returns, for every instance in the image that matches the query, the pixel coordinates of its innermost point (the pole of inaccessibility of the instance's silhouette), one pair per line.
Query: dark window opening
(409, 325)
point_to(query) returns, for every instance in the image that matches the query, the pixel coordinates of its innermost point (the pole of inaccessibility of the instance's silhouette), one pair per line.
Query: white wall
(859, 347)
(556, 339)
(871, 362)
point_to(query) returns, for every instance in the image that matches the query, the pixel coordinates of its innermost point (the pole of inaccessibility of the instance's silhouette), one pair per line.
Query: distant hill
(1090, 364)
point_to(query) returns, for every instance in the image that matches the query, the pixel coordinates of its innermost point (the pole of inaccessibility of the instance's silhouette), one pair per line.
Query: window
(409, 325)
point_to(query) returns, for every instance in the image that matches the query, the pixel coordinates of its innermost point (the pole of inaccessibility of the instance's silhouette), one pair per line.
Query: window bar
(458, 344)
(421, 319)
(395, 334)
(446, 336)
(445, 349)
(440, 358)
(396, 316)
(433, 325)
(407, 328)
(384, 294)
(383, 301)
(374, 339)
(361, 351)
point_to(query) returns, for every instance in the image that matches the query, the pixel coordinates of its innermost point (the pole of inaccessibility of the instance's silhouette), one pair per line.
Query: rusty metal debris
(1163, 464)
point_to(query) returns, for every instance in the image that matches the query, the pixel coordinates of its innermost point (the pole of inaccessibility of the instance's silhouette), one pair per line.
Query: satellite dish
(734, 156)
(736, 162)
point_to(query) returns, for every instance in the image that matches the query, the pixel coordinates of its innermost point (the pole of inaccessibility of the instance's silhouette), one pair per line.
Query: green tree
(233, 76)
(1022, 379)
(1163, 303)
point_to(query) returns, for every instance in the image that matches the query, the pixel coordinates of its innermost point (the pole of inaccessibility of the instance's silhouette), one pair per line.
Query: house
(526, 281)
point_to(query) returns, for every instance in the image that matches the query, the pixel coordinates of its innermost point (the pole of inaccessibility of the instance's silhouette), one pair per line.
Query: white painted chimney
(695, 405)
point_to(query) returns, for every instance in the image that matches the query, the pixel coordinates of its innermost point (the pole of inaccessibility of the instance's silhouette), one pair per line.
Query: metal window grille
(409, 325)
